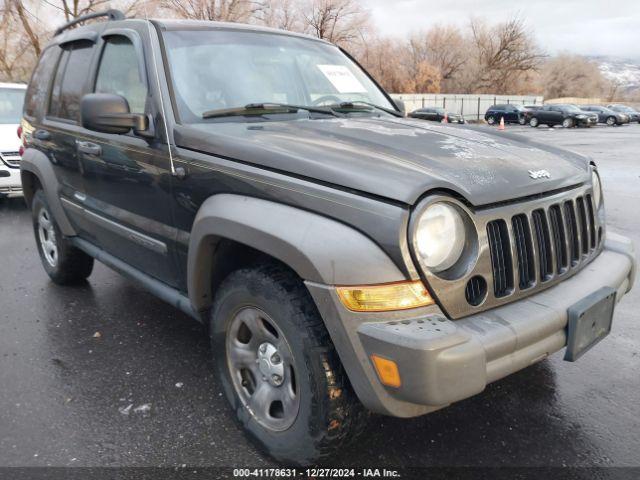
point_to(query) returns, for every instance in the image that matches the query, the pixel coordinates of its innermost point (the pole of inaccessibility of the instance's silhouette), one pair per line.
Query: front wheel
(534, 122)
(491, 120)
(64, 263)
(611, 121)
(567, 123)
(278, 367)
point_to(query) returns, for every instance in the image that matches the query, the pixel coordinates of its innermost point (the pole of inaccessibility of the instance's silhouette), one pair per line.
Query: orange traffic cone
(501, 127)
(445, 119)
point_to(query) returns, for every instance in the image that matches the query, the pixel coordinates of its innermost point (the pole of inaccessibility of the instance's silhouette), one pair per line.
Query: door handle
(89, 148)
(42, 135)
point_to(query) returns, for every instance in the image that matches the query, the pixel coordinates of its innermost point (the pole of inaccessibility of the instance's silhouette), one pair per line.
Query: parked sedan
(436, 114)
(510, 113)
(606, 115)
(562, 114)
(634, 115)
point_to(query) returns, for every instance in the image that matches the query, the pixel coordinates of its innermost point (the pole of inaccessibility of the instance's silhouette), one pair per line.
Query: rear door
(127, 177)
(56, 135)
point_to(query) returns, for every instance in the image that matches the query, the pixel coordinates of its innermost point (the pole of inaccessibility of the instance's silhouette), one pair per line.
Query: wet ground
(107, 375)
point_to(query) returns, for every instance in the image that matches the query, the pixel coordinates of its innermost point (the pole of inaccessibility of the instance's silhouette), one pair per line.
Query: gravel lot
(73, 360)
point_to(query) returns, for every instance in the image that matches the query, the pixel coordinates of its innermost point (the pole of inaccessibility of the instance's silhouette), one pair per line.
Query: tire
(611, 121)
(64, 263)
(534, 122)
(522, 120)
(272, 304)
(567, 123)
(491, 120)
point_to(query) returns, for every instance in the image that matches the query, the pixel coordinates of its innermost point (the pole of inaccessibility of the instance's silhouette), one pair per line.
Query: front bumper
(10, 183)
(442, 361)
(587, 122)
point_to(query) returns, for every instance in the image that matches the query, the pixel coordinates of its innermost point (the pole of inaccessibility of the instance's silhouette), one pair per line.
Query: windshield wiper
(265, 108)
(353, 105)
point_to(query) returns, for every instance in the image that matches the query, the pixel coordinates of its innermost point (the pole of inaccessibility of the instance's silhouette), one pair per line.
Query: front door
(127, 177)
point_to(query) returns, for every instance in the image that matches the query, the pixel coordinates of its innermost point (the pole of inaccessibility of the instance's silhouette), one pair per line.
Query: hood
(9, 141)
(396, 158)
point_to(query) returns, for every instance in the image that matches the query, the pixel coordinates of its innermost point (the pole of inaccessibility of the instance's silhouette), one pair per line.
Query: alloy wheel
(47, 236)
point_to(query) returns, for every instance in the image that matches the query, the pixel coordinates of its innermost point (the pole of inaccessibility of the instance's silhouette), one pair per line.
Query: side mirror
(109, 113)
(400, 104)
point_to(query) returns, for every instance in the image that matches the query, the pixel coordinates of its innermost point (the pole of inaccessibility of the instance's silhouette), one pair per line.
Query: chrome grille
(500, 257)
(521, 248)
(555, 234)
(524, 249)
(12, 159)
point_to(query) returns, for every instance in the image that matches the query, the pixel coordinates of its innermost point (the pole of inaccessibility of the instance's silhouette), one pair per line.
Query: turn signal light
(385, 297)
(387, 371)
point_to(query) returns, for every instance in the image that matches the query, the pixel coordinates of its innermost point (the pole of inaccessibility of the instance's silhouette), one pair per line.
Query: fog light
(387, 371)
(385, 297)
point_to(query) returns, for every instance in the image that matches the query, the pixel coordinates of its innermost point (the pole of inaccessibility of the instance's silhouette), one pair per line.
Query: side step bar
(159, 289)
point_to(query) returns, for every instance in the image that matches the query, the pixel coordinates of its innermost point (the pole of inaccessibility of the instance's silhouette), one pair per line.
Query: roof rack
(112, 14)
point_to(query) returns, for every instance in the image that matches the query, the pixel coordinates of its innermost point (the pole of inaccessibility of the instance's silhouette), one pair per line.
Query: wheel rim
(262, 369)
(566, 123)
(610, 121)
(47, 235)
(534, 122)
(491, 120)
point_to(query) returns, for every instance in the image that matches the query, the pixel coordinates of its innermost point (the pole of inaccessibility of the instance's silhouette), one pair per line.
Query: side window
(54, 102)
(70, 80)
(119, 73)
(39, 85)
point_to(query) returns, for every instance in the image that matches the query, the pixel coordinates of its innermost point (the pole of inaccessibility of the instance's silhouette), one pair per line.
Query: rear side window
(70, 81)
(39, 85)
(119, 73)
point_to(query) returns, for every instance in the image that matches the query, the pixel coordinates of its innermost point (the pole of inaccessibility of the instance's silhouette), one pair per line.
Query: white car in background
(11, 101)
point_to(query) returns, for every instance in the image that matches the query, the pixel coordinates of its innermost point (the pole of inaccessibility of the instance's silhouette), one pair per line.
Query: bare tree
(338, 21)
(500, 53)
(28, 24)
(443, 47)
(218, 10)
(283, 14)
(572, 76)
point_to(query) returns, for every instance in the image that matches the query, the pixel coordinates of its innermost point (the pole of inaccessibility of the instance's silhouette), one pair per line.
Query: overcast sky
(587, 27)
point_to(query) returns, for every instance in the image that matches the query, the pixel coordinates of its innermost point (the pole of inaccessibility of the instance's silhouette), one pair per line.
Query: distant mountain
(625, 71)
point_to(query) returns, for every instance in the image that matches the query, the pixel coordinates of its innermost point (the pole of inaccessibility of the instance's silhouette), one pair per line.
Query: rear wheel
(522, 120)
(611, 121)
(64, 263)
(567, 123)
(534, 122)
(278, 367)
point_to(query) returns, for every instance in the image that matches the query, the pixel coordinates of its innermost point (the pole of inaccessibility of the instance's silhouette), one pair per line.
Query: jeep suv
(343, 258)
(11, 100)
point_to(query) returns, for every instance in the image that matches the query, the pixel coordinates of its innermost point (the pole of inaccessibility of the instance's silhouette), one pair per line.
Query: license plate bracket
(589, 321)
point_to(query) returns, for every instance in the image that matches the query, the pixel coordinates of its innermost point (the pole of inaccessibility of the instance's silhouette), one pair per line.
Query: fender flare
(317, 248)
(37, 163)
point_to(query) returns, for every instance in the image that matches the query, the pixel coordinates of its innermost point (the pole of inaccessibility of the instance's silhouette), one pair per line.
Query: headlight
(597, 188)
(581, 116)
(439, 236)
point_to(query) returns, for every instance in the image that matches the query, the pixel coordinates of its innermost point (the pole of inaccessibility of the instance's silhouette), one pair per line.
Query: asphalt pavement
(105, 374)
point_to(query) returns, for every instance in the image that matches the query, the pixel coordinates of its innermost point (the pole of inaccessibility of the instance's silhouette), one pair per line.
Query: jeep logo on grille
(535, 174)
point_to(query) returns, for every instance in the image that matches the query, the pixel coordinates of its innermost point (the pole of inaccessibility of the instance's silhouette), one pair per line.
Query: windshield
(221, 69)
(11, 100)
(571, 108)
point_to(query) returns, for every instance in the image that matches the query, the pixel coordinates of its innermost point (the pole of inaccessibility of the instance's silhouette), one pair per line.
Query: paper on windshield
(342, 79)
